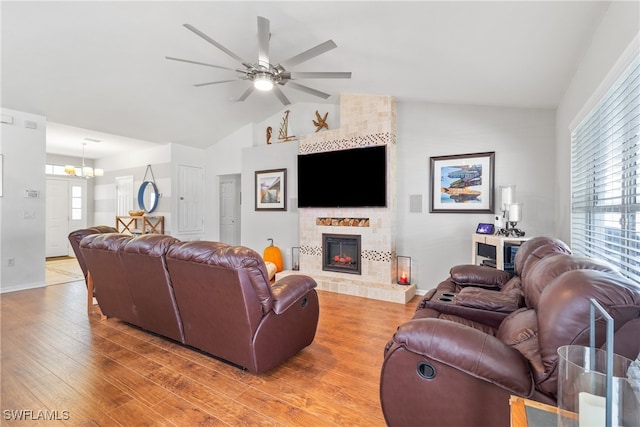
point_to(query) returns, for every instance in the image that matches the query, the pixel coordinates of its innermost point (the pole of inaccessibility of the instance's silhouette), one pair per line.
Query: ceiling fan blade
(203, 63)
(308, 90)
(263, 42)
(245, 94)
(214, 83)
(218, 45)
(320, 75)
(281, 96)
(308, 54)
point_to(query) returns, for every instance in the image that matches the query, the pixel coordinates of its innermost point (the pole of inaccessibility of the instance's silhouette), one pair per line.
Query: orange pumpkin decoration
(273, 254)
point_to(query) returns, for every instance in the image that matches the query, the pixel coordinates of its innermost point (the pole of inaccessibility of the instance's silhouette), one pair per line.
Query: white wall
(258, 226)
(133, 163)
(164, 161)
(523, 142)
(22, 220)
(226, 156)
(223, 158)
(619, 27)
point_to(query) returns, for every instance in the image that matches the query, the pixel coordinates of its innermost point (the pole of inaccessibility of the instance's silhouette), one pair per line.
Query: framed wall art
(462, 183)
(271, 190)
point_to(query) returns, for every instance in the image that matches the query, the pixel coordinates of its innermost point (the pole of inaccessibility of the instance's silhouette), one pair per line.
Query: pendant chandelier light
(86, 172)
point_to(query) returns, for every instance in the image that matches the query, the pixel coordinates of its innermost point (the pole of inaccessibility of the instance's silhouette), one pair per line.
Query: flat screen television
(355, 177)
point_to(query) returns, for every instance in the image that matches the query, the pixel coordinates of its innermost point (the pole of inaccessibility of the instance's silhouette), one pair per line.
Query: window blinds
(605, 154)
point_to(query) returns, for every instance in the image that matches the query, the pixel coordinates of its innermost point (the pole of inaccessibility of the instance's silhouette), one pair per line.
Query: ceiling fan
(263, 74)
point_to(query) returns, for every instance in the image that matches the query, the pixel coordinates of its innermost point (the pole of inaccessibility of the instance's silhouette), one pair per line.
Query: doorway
(230, 209)
(66, 210)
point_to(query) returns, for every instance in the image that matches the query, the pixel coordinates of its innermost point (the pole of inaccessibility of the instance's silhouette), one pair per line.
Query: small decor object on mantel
(322, 121)
(269, 130)
(284, 128)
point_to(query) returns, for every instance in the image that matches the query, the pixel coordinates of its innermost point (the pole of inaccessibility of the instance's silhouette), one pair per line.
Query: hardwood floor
(57, 362)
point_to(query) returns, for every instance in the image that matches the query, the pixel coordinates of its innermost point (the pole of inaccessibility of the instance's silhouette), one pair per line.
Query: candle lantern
(508, 196)
(403, 270)
(295, 258)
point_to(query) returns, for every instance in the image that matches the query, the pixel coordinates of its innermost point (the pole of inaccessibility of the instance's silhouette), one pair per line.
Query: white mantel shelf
(401, 294)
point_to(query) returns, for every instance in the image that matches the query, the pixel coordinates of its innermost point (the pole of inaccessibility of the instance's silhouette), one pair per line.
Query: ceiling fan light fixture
(263, 82)
(263, 75)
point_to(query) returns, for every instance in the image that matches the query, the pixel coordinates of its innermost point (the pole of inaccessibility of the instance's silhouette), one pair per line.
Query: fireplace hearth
(341, 253)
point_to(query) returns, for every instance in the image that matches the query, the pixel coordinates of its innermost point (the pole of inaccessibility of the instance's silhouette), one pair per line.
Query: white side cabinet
(497, 243)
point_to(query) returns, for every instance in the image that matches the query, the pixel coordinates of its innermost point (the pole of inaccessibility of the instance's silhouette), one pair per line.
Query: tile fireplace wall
(365, 120)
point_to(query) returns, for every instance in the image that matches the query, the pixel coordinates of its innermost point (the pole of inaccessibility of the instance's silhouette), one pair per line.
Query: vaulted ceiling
(101, 66)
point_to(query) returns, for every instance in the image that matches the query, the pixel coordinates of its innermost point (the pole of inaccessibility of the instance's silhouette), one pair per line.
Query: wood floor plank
(55, 357)
(210, 399)
(184, 413)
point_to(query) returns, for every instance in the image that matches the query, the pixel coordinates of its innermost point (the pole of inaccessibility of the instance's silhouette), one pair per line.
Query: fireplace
(341, 253)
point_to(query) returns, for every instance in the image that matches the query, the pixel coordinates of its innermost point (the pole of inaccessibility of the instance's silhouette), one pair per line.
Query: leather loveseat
(207, 295)
(457, 367)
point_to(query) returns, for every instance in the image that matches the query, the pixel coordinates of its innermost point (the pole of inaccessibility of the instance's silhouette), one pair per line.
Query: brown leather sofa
(207, 295)
(449, 366)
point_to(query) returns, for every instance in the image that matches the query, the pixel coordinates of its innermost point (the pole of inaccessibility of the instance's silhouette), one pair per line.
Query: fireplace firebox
(341, 253)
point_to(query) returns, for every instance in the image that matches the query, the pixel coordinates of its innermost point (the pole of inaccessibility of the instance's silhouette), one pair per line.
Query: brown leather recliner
(484, 294)
(445, 370)
(74, 239)
(76, 236)
(101, 253)
(229, 310)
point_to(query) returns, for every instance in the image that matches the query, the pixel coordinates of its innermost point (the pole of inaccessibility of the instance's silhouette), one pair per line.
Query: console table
(529, 413)
(140, 224)
(497, 242)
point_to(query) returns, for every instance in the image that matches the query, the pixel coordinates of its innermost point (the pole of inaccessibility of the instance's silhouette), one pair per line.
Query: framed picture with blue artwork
(462, 183)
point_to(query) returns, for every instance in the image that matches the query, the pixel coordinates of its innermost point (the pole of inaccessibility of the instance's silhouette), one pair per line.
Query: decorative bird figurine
(322, 121)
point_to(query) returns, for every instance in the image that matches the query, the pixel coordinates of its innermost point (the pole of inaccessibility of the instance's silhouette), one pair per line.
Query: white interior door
(229, 209)
(190, 199)
(66, 208)
(124, 195)
(57, 208)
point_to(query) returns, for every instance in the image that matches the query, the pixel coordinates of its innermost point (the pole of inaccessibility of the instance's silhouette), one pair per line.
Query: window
(605, 154)
(55, 170)
(76, 202)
